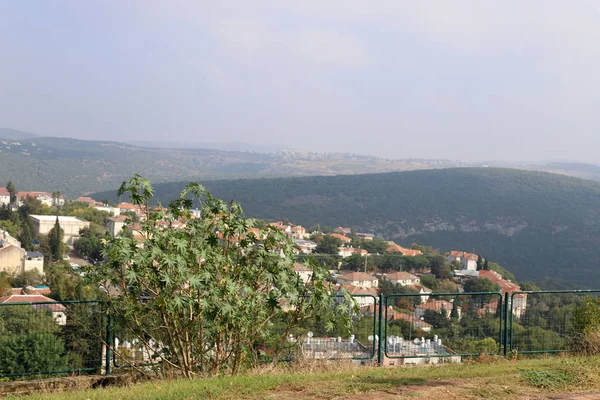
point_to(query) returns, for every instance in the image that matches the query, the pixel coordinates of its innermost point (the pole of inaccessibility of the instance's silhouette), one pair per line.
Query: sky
(467, 80)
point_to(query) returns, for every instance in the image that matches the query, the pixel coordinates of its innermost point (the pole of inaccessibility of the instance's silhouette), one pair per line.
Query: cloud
(327, 48)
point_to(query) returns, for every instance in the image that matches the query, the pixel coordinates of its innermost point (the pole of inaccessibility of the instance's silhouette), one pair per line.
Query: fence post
(380, 332)
(507, 327)
(109, 342)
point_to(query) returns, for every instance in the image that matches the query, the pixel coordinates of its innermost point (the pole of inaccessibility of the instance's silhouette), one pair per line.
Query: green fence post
(380, 332)
(507, 312)
(109, 343)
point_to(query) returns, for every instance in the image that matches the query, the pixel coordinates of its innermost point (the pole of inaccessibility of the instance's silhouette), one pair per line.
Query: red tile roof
(401, 276)
(34, 298)
(404, 251)
(341, 237)
(357, 276)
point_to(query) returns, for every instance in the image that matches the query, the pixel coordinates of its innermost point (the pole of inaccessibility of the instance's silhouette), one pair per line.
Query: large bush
(201, 297)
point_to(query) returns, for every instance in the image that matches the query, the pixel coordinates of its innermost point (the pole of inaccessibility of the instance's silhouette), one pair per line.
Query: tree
(27, 235)
(486, 265)
(200, 298)
(480, 285)
(329, 245)
(479, 263)
(10, 187)
(55, 241)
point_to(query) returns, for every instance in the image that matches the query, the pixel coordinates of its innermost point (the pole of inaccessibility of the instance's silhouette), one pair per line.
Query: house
(507, 287)
(365, 236)
(303, 272)
(47, 198)
(89, 201)
(132, 208)
(423, 291)
(417, 322)
(403, 278)
(34, 260)
(437, 306)
(47, 304)
(348, 251)
(4, 197)
(114, 211)
(70, 226)
(404, 251)
(305, 246)
(343, 238)
(342, 230)
(298, 232)
(360, 279)
(468, 261)
(12, 256)
(363, 296)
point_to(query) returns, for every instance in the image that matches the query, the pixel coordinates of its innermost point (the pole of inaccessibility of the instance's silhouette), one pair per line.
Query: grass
(493, 379)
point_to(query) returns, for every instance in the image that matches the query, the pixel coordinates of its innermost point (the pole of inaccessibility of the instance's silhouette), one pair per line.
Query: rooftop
(52, 218)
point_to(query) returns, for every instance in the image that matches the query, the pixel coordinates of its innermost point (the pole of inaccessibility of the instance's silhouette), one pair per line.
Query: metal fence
(543, 322)
(442, 325)
(55, 337)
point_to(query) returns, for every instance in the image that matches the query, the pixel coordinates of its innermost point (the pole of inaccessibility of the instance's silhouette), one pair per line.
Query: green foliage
(480, 285)
(55, 241)
(547, 378)
(10, 187)
(328, 245)
(207, 293)
(587, 316)
(29, 341)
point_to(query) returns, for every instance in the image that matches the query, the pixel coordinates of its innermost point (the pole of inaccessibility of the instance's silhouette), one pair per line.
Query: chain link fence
(52, 337)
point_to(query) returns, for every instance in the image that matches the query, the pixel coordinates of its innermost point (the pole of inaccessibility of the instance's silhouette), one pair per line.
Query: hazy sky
(458, 79)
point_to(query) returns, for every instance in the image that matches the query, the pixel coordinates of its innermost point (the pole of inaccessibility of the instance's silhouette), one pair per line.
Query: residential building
(70, 226)
(360, 279)
(403, 278)
(34, 260)
(348, 251)
(343, 238)
(11, 257)
(114, 211)
(363, 296)
(89, 201)
(114, 225)
(404, 251)
(365, 236)
(468, 261)
(303, 272)
(519, 304)
(437, 306)
(343, 230)
(4, 197)
(58, 310)
(305, 246)
(47, 198)
(298, 232)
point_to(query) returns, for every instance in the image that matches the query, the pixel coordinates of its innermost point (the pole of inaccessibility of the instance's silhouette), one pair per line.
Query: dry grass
(487, 377)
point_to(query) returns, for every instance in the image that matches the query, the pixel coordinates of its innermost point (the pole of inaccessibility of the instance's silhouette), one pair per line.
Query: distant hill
(543, 227)
(13, 134)
(77, 167)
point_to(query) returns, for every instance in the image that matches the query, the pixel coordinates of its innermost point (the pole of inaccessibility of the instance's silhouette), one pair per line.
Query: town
(359, 264)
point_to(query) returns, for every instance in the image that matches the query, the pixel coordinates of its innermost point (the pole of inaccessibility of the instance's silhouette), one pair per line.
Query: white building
(303, 272)
(403, 278)
(360, 279)
(4, 197)
(70, 226)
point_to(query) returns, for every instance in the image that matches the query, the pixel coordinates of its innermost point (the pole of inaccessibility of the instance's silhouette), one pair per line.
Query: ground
(559, 378)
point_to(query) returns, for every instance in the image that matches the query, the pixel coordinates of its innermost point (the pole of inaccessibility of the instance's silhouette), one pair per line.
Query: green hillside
(76, 167)
(543, 227)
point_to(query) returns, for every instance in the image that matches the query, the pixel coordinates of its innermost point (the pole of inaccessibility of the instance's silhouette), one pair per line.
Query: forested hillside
(76, 167)
(541, 226)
